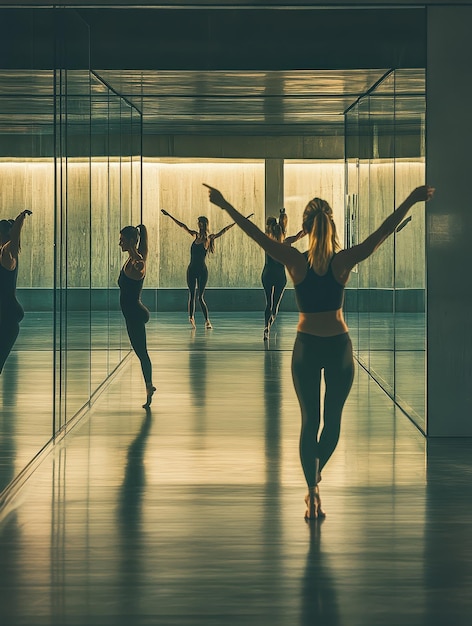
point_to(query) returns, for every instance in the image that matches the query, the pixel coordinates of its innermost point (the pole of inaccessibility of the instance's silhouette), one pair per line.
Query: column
(274, 186)
(449, 221)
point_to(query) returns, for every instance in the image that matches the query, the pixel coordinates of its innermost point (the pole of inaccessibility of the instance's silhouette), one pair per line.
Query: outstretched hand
(24, 213)
(422, 194)
(215, 196)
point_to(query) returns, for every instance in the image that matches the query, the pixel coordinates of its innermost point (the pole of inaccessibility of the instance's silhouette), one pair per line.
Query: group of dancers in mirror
(319, 276)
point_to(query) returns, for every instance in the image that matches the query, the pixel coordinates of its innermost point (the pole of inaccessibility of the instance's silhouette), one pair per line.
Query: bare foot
(313, 503)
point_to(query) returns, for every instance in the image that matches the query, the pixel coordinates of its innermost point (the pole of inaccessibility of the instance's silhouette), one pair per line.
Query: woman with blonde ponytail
(322, 344)
(323, 239)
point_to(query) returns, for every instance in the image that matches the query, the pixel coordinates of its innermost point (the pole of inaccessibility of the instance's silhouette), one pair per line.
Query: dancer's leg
(192, 292)
(202, 280)
(9, 330)
(278, 292)
(338, 375)
(306, 374)
(137, 335)
(269, 297)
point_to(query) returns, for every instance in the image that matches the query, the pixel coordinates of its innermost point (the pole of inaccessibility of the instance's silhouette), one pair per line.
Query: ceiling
(302, 102)
(242, 102)
(215, 72)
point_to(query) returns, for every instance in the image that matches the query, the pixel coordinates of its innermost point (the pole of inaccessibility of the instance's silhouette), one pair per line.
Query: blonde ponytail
(323, 239)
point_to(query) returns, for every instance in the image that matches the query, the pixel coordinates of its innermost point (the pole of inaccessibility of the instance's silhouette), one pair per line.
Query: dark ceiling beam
(218, 39)
(256, 39)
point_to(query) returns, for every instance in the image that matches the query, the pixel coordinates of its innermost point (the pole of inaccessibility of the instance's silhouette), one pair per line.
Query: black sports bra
(198, 253)
(316, 293)
(130, 288)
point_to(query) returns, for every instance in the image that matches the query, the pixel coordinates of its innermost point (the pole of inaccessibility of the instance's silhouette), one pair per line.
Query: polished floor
(192, 514)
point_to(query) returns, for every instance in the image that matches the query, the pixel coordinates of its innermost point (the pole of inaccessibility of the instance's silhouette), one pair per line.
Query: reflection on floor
(192, 515)
(27, 380)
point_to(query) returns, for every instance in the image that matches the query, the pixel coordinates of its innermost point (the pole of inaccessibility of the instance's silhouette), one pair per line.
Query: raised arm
(283, 220)
(181, 224)
(287, 255)
(350, 257)
(222, 231)
(288, 241)
(226, 228)
(143, 241)
(11, 249)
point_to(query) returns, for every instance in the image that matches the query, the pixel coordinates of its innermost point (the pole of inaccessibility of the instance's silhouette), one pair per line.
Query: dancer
(322, 343)
(274, 278)
(134, 241)
(197, 271)
(11, 311)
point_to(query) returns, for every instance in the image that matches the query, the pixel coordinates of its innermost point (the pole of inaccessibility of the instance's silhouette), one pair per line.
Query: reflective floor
(192, 514)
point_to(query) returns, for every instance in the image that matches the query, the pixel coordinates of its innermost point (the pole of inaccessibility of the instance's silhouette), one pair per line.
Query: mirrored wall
(176, 186)
(70, 152)
(386, 300)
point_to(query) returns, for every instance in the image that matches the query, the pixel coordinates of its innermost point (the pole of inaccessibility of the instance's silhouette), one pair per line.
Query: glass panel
(127, 216)
(364, 229)
(116, 200)
(381, 263)
(73, 214)
(126, 212)
(61, 156)
(117, 330)
(351, 221)
(386, 132)
(27, 175)
(136, 167)
(410, 319)
(77, 242)
(100, 262)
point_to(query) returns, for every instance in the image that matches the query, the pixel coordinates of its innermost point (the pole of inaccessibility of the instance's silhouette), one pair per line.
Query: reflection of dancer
(130, 505)
(11, 311)
(134, 481)
(197, 271)
(323, 341)
(319, 599)
(273, 276)
(131, 284)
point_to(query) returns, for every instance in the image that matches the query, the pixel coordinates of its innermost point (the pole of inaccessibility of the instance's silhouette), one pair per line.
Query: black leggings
(9, 329)
(136, 326)
(310, 355)
(8, 334)
(274, 287)
(197, 278)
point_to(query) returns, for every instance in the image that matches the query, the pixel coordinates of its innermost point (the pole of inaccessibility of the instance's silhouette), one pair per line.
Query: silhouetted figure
(197, 271)
(11, 311)
(274, 278)
(322, 343)
(134, 241)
